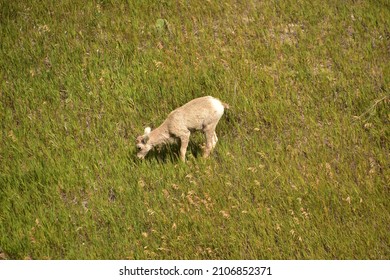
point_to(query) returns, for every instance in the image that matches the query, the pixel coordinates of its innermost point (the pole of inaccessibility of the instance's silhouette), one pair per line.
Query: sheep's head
(143, 147)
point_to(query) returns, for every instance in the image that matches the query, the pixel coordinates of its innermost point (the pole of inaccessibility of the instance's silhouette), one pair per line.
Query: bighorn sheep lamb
(202, 113)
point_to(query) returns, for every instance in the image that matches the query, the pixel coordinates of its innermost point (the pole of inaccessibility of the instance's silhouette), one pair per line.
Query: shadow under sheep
(170, 152)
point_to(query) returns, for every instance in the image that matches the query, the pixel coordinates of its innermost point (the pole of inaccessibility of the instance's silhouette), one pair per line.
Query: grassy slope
(301, 168)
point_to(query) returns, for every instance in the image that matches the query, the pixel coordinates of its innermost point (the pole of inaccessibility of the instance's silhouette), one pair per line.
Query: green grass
(301, 169)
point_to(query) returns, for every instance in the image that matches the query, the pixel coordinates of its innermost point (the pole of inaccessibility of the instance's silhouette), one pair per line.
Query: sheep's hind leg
(215, 139)
(210, 140)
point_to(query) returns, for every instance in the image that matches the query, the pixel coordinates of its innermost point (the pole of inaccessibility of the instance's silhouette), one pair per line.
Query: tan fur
(202, 113)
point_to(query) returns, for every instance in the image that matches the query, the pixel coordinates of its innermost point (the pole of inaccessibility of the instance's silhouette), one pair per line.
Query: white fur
(217, 106)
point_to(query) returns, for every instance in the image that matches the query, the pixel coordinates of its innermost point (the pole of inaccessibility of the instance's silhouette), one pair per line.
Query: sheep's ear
(147, 130)
(146, 134)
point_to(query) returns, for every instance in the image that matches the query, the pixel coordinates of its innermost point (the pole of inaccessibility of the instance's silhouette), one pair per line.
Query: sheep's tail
(225, 105)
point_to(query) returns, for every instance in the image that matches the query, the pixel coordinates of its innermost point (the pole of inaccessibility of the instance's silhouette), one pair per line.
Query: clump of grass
(300, 169)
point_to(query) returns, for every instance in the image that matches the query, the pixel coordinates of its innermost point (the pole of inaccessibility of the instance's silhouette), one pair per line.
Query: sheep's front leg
(184, 139)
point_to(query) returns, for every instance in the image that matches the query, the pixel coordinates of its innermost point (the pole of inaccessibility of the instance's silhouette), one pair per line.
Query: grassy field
(301, 169)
